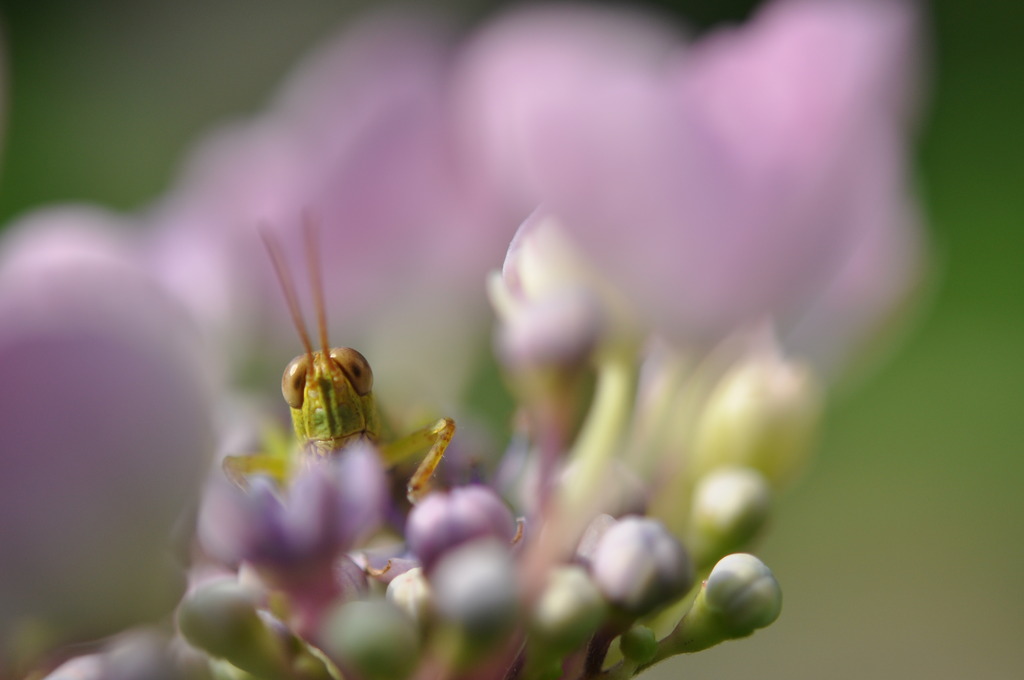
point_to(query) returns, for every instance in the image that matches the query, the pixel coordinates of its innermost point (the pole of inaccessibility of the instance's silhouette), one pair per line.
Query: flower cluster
(706, 230)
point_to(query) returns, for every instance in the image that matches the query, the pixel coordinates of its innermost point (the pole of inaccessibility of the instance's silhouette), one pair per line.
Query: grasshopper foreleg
(437, 437)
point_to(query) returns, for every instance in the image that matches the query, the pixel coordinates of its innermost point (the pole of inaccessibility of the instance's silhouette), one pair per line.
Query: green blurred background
(901, 553)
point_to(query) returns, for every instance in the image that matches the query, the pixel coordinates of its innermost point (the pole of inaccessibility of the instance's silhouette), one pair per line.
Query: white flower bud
(738, 597)
(411, 593)
(543, 263)
(640, 566)
(475, 588)
(743, 593)
(555, 333)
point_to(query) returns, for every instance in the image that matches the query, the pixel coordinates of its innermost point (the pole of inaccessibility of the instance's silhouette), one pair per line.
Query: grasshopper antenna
(309, 229)
(287, 285)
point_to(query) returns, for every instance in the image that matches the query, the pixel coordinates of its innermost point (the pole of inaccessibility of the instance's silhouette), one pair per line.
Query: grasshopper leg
(437, 437)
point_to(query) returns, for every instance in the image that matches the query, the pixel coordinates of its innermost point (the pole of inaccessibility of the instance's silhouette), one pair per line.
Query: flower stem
(602, 431)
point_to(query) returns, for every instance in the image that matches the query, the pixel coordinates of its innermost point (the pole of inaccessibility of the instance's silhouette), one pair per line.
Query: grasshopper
(330, 394)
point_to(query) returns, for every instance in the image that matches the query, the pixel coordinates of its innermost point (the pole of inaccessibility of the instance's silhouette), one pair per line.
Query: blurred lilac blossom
(105, 434)
(719, 182)
(359, 142)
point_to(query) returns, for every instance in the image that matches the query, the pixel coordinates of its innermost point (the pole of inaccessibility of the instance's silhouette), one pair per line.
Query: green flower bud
(568, 611)
(743, 593)
(371, 639)
(762, 414)
(638, 644)
(221, 618)
(730, 506)
(410, 592)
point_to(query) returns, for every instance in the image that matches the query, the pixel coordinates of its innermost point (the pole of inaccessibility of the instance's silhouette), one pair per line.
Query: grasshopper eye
(355, 367)
(293, 382)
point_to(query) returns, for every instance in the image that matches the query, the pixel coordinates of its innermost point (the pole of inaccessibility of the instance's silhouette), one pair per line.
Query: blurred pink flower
(716, 183)
(359, 140)
(105, 434)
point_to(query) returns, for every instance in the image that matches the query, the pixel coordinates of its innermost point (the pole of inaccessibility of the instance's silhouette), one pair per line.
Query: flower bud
(738, 597)
(543, 265)
(371, 639)
(222, 619)
(411, 593)
(285, 533)
(591, 537)
(730, 505)
(568, 611)
(89, 667)
(475, 589)
(743, 593)
(555, 333)
(135, 655)
(350, 579)
(762, 414)
(640, 566)
(443, 521)
(638, 644)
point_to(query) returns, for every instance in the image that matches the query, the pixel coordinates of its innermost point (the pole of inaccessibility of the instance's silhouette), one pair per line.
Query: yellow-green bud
(371, 639)
(638, 644)
(730, 505)
(222, 619)
(568, 611)
(762, 414)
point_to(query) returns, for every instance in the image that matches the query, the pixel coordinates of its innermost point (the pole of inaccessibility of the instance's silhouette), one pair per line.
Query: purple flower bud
(327, 506)
(640, 566)
(443, 521)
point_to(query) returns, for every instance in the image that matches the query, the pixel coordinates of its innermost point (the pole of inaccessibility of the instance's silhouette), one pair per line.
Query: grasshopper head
(331, 398)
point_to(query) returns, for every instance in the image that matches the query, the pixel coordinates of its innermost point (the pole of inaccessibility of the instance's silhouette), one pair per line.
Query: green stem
(602, 431)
